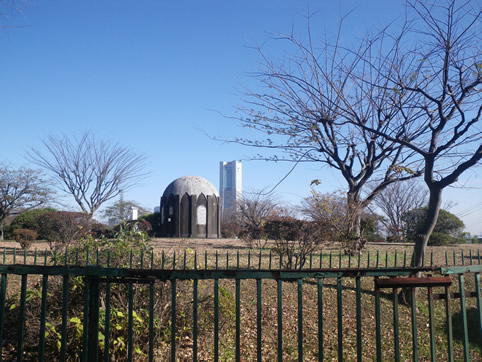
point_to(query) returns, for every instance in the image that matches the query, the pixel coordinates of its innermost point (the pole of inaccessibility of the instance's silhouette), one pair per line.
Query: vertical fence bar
(194, 319)
(414, 323)
(405, 259)
(173, 320)
(249, 258)
(340, 317)
(377, 324)
(479, 304)
(258, 318)
(107, 316)
(463, 311)
(368, 259)
(259, 260)
(395, 262)
(151, 321)
(43, 316)
(358, 319)
(227, 260)
(320, 318)
(93, 338)
(300, 319)
(85, 335)
(3, 289)
(448, 317)
(431, 324)
(330, 259)
(280, 320)
(130, 320)
(216, 260)
(386, 259)
(396, 334)
(21, 331)
(238, 317)
(63, 331)
(216, 320)
(270, 256)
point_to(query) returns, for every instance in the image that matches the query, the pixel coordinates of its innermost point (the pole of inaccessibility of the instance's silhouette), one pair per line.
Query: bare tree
(253, 210)
(395, 201)
(93, 171)
(21, 189)
(308, 109)
(434, 71)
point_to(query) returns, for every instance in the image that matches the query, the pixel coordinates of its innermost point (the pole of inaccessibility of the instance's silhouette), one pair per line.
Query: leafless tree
(396, 200)
(309, 105)
(434, 72)
(21, 189)
(93, 171)
(253, 210)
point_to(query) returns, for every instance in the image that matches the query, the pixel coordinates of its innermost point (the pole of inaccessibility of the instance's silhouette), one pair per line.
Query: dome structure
(190, 207)
(192, 185)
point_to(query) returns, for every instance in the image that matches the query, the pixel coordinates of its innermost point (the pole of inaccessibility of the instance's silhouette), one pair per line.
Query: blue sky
(158, 75)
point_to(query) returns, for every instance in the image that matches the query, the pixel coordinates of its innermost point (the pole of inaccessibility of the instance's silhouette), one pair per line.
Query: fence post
(93, 337)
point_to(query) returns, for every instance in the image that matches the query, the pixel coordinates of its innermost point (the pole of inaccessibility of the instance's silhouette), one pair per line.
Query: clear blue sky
(157, 75)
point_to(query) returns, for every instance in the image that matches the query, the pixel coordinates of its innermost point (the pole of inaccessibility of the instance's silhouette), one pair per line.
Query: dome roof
(193, 185)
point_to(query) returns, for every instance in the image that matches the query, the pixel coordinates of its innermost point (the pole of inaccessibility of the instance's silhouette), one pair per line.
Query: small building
(190, 208)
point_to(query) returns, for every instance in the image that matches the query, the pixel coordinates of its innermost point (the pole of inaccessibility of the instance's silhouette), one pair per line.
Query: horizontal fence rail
(161, 307)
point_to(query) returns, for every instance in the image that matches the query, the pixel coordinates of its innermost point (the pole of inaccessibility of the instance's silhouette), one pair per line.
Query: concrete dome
(192, 185)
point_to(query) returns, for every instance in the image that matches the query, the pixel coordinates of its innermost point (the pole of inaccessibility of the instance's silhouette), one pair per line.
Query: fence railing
(240, 307)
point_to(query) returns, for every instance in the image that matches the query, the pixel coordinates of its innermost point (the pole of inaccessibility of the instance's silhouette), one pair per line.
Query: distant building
(230, 186)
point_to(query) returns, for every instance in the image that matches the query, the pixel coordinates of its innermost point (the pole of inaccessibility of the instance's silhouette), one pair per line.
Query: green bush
(25, 237)
(155, 220)
(27, 220)
(440, 239)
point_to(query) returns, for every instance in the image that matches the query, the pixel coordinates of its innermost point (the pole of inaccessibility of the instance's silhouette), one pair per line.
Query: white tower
(230, 186)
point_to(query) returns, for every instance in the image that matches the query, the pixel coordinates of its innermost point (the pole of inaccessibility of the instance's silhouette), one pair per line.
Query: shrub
(25, 237)
(59, 228)
(440, 239)
(294, 239)
(28, 219)
(98, 230)
(155, 220)
(230, 230)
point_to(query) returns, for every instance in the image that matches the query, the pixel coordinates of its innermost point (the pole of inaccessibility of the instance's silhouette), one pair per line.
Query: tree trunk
(354, 214)
(428, 225)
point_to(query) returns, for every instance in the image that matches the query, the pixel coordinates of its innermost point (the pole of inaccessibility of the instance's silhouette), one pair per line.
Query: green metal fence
(240, 307)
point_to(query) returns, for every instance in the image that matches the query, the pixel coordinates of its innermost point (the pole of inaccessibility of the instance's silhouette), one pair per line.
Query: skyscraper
(230, 186)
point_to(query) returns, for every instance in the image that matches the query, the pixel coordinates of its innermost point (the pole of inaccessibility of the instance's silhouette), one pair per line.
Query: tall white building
(230, 186)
